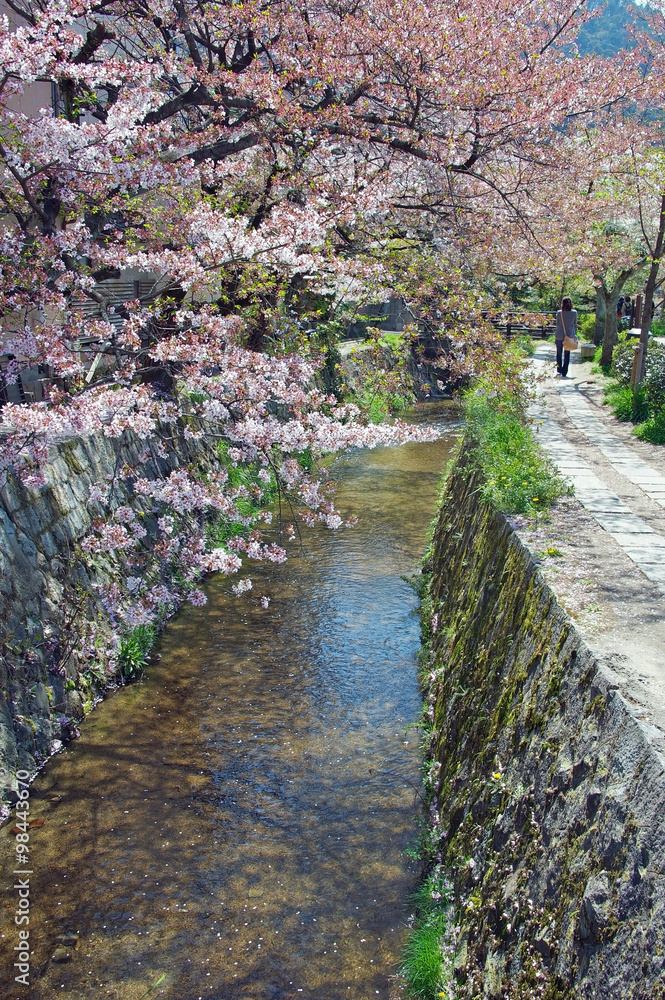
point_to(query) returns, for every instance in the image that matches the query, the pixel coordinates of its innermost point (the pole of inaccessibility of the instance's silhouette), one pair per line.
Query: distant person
(628, 309)
(566, 326)
(620, 302)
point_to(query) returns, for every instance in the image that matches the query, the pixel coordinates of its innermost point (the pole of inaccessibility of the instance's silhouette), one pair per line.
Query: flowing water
(235, 824)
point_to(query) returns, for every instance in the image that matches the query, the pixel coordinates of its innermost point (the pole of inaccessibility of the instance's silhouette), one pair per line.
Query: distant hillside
(607, 34)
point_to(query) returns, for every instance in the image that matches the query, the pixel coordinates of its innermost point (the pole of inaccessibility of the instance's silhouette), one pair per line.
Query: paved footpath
(641, 543)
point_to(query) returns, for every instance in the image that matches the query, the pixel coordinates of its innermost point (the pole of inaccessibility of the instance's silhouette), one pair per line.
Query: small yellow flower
(535, 499)
(496, 775)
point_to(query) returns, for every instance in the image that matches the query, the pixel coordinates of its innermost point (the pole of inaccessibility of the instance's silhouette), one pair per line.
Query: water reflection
(236, 823)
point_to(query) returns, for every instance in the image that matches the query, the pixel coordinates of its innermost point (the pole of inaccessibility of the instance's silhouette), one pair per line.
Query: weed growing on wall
(427, 964)
(383, 381)
(134, 651)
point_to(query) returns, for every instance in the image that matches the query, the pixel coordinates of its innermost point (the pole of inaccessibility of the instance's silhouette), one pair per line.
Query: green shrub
(653, 429)
(392, 340)
(658, 327)
(518, 477)
(652, 393)
(622, 361)
(586, 326)
(134, 651)
(654, 375)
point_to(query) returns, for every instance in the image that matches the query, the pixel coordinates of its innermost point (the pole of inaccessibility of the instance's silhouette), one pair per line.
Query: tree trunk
(610, 335)
(599, 330)
(641, 353)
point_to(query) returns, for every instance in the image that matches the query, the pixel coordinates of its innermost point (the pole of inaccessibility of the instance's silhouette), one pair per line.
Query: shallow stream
(234, 825)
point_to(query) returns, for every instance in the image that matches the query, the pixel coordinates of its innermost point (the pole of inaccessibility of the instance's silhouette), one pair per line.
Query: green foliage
(394, 341)
(332, 373)
(518, 478)
(384, 384)
(606, 34)
(134, 651)
(427, 958)
(626, 405)
(526, 346)
(648, 405)
(658, 327)
(423, 965)
(654, 375)
(305, 459)
(586, 326)
(653, 429)
(378, 404)
(258, 494)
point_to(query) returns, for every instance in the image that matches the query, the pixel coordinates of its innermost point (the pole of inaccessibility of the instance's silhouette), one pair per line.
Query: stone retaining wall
(40, 696)
(551, 792)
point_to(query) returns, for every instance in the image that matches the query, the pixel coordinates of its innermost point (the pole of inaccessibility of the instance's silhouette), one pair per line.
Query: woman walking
(566, 325)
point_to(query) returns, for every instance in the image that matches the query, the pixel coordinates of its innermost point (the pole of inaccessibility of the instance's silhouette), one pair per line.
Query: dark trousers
(562, 358)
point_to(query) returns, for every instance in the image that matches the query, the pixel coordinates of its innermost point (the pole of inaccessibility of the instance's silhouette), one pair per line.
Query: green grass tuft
(427, 960)
(625, 405)
(653, 429)
(519, 478)
(422, 966)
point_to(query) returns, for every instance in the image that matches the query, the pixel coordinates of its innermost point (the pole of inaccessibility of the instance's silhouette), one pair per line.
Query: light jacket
(566, 323)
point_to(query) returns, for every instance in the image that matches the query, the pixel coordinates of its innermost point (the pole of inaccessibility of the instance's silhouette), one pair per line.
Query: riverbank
(549, 782)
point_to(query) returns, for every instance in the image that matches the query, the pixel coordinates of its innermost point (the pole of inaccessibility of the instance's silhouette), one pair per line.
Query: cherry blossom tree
(251, 161)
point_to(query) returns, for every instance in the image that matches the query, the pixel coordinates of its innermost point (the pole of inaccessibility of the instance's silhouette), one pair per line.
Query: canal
(234, 826)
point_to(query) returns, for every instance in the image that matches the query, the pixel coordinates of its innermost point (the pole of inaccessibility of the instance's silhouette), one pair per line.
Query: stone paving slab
(626, 540)
(600, 504)
(656, 574)
(629, 524)
(644, 555)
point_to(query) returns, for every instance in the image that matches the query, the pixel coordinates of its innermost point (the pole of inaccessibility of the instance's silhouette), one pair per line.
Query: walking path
(641, 542)
(603, 550)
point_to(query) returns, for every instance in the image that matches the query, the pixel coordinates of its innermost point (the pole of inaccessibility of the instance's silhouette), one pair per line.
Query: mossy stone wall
(41, 697)
(548, 790)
